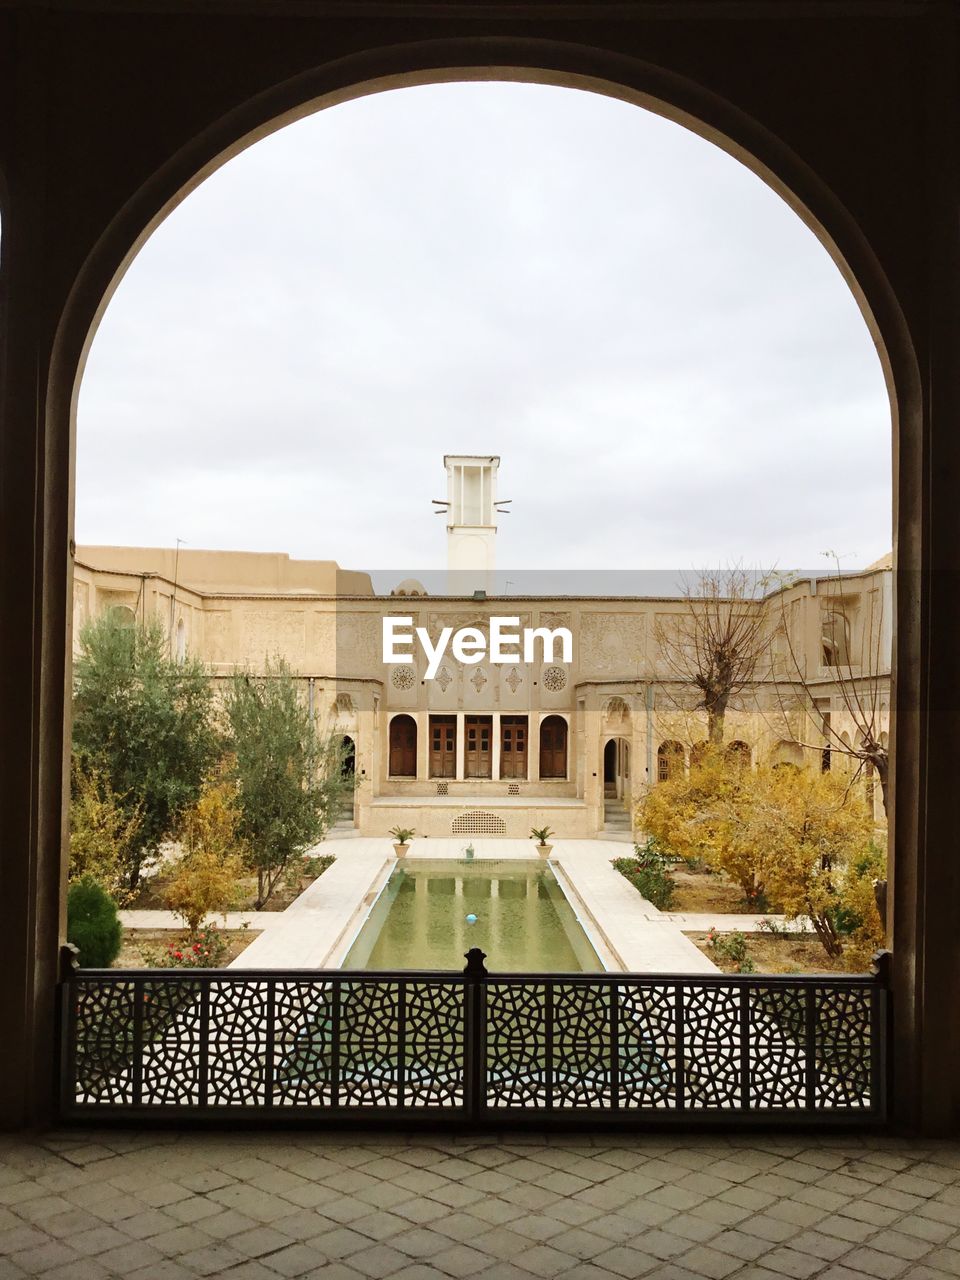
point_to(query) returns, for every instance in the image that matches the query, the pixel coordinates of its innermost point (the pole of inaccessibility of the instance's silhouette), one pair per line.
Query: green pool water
(524, 923)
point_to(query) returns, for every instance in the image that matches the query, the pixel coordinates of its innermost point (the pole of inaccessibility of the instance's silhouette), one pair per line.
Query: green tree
(144, 721)
(288, 779)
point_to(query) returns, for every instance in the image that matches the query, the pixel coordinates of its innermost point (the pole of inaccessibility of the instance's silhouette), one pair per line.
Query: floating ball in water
(471, 918)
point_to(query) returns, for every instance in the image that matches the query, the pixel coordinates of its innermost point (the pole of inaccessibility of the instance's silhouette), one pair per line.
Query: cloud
(668, 361)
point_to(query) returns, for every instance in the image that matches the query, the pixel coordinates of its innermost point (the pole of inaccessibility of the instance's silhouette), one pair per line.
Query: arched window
(403, 747)
(122, 615)
(669, 761)
(553, 747)
(789, 754)
(698, 753)
(181, 641)
(739, 754)
(835, 639)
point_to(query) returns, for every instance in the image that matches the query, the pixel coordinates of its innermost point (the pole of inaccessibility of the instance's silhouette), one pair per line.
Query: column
(423, 744)
(533, 747)
(460, 746)
(495, 747)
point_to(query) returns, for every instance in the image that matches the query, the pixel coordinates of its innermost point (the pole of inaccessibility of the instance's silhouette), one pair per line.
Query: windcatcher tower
(471, 522)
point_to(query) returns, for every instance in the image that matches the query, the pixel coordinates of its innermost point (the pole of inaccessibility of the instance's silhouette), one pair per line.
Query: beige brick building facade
(487, 748)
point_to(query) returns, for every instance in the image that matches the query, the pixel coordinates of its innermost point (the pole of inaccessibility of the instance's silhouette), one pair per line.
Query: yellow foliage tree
(805, 828)
(102, 831)
(204, 883)
(206, 878)
(212, 825)
(686, 814)
(797, 838)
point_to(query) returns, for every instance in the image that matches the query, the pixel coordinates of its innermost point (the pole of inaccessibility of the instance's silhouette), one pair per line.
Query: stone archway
(74, 218)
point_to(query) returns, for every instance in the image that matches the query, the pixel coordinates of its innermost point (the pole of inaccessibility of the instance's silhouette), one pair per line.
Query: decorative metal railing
(474, 1046)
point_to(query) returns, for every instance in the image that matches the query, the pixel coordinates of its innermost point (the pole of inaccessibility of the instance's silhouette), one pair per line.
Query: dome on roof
(409, 587)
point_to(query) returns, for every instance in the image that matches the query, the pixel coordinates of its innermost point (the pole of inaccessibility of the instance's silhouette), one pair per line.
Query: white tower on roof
(471, 522)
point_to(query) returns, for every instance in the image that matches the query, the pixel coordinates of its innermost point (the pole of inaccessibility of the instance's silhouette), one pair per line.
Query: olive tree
(289, 783)
(142, 721)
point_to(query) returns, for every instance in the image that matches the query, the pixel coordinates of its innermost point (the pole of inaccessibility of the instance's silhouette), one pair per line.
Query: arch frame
(42, 359)
(393, 719)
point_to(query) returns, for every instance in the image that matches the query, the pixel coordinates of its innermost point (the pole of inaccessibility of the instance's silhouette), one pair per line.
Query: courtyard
(318, 928)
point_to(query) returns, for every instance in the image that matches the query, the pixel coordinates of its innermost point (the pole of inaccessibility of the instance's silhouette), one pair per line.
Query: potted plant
(402, 836)
(542, 835)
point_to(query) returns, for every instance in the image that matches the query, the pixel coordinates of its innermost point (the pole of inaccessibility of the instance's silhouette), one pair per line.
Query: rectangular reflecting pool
(430, 913)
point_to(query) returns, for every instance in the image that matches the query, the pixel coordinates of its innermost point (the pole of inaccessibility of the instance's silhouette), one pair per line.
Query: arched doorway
(670, 760)
(610, 768)
(828, 176)
(348, 760)
(616, 769)
(347, 812)
(553, 748)
(403, 747)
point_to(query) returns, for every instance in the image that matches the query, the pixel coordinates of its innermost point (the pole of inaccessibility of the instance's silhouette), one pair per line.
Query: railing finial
(69, 961)
(881, 966)
(475, 967)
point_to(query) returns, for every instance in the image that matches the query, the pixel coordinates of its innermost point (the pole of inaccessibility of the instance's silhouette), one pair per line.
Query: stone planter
(544, 850)
(400, 850)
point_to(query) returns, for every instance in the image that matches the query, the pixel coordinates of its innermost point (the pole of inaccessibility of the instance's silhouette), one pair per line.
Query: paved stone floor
(169, 1206)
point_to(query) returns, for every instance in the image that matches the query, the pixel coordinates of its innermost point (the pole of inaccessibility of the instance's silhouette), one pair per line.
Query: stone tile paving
(169, 1206)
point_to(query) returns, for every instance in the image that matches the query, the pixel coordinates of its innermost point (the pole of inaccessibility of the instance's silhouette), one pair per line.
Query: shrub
(648, 872)
(865, 930)
(314, 865)
(731, 947)
(202, 884)
(93, 925)
(204, 949)
(102, 830)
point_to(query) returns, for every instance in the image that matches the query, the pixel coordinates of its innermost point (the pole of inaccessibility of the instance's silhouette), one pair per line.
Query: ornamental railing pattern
(474, 1046)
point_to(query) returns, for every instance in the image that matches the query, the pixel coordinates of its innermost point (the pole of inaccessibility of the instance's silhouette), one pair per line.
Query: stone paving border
(644, 939)
(88, 1205)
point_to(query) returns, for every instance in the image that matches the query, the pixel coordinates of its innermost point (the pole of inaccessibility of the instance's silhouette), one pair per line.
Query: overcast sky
(667, 361)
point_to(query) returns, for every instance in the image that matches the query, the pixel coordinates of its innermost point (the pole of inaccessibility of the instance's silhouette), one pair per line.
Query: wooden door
(513, 746)
(443, 746)
(403, 747)
(478, 752)
(553, 747)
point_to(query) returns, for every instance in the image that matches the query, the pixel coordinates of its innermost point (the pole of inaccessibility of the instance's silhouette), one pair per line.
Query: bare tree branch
(718, 641)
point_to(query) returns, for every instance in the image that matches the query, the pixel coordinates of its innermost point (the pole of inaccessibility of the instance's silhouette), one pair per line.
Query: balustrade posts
(474, 1034)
